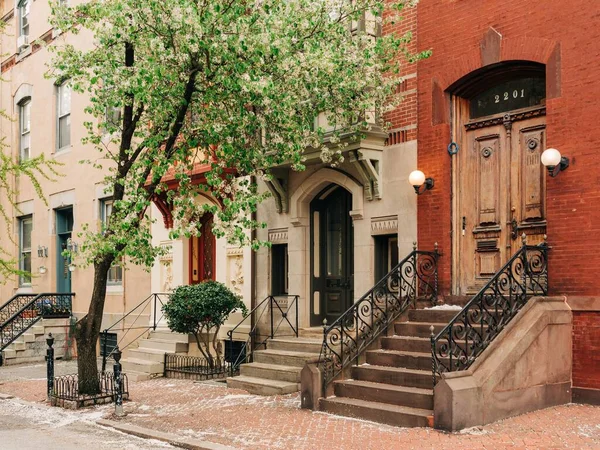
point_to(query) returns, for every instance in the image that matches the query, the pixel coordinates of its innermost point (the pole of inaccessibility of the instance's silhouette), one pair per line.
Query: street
(26, 425)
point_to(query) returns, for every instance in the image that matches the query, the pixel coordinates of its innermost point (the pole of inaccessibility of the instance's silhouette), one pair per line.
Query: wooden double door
(202, 252)
(500, 184)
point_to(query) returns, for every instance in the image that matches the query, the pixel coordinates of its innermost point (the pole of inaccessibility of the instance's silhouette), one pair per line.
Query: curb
(6, 396)
(188, 443)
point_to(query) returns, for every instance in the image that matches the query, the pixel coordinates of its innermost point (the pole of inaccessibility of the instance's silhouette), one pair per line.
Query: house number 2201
(507, 95)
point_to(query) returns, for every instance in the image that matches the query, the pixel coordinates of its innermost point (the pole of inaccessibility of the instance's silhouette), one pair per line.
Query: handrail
(141, 307)
(246, 353)
(46, 304)
(469, 333)
(8, 308)
(413, 278)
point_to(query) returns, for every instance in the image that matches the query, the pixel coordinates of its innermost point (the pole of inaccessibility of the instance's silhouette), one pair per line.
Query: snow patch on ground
(446, 307)
(47, 415)
(474, 431)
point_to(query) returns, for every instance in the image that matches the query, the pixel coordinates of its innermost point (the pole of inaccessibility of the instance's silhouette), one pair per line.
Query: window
(24, 17)
(115, 274)
(24, 128)
(25, 227)
(64, 116)
(279, 269)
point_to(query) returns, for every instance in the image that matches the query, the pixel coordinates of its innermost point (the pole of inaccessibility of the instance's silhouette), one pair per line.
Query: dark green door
(332, 262)
(64, 228)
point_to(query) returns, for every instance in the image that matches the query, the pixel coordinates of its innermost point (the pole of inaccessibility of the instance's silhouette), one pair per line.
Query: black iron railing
(14, 305)
(68, 387)
(469, 333)
(278, 323)
(195, 367)
(47, 305)
(414, 278)
(137, 323)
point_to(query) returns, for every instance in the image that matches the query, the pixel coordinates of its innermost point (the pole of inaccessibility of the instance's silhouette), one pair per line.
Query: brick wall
(403, 119)
(586, 349)
(530, 30)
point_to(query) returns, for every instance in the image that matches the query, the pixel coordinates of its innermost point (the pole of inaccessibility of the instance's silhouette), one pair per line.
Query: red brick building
(507, 80)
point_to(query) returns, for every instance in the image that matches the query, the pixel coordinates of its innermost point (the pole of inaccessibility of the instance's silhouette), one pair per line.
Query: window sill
(23, 53)
(27, 289)
(114, 289)
(63, 151)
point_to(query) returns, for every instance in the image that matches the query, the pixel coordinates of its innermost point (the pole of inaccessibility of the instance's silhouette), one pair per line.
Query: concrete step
(401, 416)
(271, 371)
(167, 335)
(312, 333)
(137, 376)
(147, 354)
(407, 343)
(385, 393)
(396, 358)
(460, 300)
(431, 315)
(283, 357)
(261, 386)
(164, 345)
(417, 329)
(295, 344)
(37, 329)
(142, 366)
(394, 375)
(18, 345)
(28, 337)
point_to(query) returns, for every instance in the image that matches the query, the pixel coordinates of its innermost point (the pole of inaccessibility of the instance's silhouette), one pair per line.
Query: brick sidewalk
(211, 412)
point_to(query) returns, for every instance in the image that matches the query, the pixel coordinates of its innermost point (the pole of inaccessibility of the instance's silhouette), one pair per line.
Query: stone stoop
(276, 370)
(31, 346)
(395, 385)
(147, 360)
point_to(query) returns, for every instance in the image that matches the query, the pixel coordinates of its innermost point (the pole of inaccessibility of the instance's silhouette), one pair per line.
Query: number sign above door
(508, 96)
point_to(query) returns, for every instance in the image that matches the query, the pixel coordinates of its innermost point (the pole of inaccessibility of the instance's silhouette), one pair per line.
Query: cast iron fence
(195, 367)
(69, 387)
(469, 333)
(48, 305)
(279, 325)
(137, 318)
(414, 278)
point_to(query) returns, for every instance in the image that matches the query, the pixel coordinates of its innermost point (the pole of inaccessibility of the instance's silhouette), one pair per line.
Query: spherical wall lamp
(554, 161)
(418, 180)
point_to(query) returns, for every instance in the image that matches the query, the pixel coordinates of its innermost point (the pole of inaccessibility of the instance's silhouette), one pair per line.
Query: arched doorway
(332, 255)
(202, 252)
(499, 183)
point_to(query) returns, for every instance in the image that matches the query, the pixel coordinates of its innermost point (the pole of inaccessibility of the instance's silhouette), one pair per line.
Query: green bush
(201, 309)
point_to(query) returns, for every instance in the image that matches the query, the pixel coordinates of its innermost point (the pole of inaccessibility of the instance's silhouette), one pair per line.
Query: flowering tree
(234, 84)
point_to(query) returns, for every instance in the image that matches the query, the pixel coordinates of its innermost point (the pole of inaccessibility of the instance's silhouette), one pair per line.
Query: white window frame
(62, 114)
(115, 273)
(24, 280)
(24, 7)
(25, 129)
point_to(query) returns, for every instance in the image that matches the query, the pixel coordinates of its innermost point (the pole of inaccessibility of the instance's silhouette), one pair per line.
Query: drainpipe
(252, 270)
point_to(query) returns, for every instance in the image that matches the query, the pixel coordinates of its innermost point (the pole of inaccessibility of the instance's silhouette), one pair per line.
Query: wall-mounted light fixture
(554, 161)
(419, 182)
(72, 267)
(42, 251)
(42, 270)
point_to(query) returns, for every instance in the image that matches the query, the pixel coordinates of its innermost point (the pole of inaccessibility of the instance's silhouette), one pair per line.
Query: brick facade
(467, 35)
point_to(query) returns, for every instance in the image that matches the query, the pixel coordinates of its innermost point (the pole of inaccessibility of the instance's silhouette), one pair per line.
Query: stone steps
(271, 371)
(276, 370)
(395, 385)
(166, 346)
(402, 416)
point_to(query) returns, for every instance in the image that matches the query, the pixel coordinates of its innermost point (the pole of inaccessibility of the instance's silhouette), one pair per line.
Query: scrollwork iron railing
(14, 305)
(414, 278)
(469, 333)
(42, 305)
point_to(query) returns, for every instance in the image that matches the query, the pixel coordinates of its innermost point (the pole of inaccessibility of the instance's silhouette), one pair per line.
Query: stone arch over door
(311, 186)
(299, 234)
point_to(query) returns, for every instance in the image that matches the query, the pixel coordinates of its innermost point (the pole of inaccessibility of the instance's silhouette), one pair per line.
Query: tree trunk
(87, 332)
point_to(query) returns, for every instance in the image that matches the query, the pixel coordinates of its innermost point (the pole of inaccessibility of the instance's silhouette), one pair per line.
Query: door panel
(332, 255)
(202, 252)
(501, 194)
